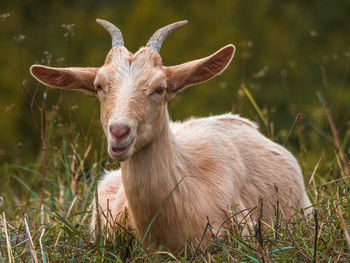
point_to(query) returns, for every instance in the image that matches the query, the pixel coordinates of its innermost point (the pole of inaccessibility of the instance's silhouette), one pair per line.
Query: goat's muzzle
(120, 140)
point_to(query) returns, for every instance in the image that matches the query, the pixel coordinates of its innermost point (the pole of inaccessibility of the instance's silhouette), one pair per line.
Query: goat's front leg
(112, 204)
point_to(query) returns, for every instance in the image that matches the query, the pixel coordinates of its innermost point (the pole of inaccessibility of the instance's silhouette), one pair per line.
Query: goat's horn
(161, 34)
(116, 34)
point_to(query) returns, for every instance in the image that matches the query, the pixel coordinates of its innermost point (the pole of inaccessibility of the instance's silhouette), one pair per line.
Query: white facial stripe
(125, 91)
(124, 69)
(129, 76)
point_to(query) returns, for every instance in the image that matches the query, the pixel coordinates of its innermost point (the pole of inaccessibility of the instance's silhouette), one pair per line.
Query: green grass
(60, 232)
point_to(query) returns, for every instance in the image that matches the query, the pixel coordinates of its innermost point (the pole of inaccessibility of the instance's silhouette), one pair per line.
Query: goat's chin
(121, 154)
(121, 159)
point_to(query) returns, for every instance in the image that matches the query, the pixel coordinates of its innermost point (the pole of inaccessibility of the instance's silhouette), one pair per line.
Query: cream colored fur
(191, 172)
(228, 163)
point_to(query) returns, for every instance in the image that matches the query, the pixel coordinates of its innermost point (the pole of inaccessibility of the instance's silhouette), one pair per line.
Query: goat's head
(134, 89)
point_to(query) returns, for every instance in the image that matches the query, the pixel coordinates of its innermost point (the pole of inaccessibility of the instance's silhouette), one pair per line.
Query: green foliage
(286, 51)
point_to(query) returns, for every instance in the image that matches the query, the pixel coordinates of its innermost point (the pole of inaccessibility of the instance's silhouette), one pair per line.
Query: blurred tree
(286, 51)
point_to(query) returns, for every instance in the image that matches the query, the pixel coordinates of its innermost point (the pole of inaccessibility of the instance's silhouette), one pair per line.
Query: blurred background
(286, 52)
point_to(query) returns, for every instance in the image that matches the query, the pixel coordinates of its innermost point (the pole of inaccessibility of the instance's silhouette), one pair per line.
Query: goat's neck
(151, 174)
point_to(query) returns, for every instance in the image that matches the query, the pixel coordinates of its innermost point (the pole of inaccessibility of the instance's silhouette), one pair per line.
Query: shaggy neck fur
(149, 177)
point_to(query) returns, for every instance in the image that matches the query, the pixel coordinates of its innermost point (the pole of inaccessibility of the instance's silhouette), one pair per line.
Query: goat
(181, 174)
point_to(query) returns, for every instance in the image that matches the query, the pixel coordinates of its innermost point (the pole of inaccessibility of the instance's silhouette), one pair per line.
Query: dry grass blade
(314, 171)
(335, 180)
(41, 245)
(44, 139)
(316, 236)
(136, 259)
(344, 226)
(69, 211)
(98, 223)
(312, 179)
(89, 208)
(335, 133)
(31, 247)
(200, 242)
(8, 243)
(292, 128)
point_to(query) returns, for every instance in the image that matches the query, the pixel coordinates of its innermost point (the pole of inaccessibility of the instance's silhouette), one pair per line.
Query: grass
(58, 231)
(50, 223)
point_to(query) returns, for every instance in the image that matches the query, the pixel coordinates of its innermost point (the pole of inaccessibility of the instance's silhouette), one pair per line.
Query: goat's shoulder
(110, 182)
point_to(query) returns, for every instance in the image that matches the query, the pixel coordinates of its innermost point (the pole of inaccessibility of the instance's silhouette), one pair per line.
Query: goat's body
(206, 167)
(192, 172)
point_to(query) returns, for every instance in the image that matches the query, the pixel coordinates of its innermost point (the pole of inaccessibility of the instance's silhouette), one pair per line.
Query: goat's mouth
(119, 150)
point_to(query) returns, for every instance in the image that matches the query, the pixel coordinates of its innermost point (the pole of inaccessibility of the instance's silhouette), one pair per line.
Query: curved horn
(116, 34)
(161, 34)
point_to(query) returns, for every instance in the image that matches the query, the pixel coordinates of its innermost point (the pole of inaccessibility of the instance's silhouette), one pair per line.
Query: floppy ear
(66, 78)
(197, 71)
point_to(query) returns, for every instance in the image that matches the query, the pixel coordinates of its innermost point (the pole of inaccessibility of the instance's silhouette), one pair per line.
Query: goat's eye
(99, 88)
(158, 91)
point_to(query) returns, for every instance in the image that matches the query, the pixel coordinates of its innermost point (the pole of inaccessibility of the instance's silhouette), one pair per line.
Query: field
(53, 151)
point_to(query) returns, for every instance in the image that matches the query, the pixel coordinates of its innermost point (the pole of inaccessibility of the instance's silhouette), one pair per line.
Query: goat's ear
(197, 71)
(66, 78)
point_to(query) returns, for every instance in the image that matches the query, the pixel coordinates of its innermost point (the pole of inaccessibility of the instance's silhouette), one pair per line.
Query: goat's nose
(119, 130)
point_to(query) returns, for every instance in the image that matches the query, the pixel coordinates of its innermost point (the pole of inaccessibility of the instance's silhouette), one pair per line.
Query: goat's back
(248, 166)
